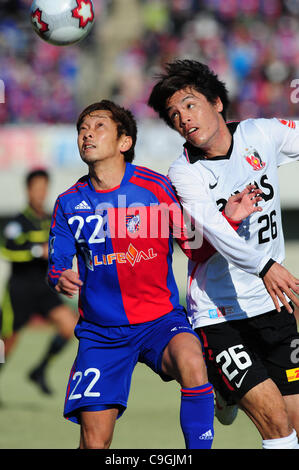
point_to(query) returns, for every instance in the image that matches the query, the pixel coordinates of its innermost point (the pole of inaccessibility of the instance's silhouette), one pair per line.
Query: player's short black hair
(124, 119)
(40, 172)
(182, 74)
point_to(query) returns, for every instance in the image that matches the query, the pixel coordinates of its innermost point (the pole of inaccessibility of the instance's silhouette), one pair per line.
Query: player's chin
(197, 140)
(88, 158)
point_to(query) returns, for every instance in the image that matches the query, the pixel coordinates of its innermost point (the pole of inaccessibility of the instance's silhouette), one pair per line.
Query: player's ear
(218, 105)
(125, 143)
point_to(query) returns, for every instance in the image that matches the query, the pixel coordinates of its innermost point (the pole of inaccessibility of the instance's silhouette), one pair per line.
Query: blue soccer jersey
(123, 239)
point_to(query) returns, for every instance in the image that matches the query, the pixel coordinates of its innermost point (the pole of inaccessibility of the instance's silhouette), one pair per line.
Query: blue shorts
(101, 375)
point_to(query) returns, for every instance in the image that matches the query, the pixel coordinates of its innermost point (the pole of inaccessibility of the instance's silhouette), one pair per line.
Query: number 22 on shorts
(88, 391)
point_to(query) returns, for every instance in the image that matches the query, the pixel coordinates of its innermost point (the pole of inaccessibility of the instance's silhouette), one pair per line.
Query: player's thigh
(100, 377)
(97, 428)
(183, 360)
(292, 404)
(233, 367)
(265, 406)
(155, 338)
(278, 338)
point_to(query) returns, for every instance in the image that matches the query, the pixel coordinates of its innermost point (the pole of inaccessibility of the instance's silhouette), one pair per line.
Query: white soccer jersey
(227, 287)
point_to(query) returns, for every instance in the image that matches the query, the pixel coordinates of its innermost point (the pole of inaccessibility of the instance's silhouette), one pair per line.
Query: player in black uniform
(27, 293)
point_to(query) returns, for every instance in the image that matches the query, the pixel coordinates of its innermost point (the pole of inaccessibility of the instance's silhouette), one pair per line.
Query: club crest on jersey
(133, 223)
(253, 158)
(288, 123)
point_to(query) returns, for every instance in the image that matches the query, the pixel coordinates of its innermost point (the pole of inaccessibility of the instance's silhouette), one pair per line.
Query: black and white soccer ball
(62, 22)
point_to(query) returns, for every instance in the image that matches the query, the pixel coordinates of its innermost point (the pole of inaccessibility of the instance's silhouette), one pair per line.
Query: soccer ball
(62, 22)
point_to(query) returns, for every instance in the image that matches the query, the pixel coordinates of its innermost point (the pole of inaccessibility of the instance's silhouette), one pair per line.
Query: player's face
(97, 137)
(194, 117)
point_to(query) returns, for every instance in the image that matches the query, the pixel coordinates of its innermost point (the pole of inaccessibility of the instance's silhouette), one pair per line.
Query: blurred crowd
(41, 81)
(252, 45)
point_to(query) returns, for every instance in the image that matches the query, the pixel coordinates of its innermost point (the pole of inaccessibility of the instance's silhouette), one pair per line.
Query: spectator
(252, 46)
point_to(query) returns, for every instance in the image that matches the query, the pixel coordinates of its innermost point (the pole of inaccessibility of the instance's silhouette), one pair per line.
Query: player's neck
(107, 175)
(219, 144)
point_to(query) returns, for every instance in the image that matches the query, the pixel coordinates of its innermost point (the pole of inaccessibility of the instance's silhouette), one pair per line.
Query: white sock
(289, 442)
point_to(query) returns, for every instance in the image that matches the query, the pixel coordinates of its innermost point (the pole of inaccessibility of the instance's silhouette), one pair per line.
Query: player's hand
(241, 205)
(279, 282)
(68, 283)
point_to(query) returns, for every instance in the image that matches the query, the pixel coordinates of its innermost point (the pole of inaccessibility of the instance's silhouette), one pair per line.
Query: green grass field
(31, 420)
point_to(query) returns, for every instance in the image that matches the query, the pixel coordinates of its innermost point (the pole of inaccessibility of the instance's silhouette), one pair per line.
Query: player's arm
(284, 135)
(62, 249)
(212, 225)
(238, 208)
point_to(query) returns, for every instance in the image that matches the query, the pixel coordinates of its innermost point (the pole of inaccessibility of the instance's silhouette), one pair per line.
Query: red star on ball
(40, 24)
(84, 12)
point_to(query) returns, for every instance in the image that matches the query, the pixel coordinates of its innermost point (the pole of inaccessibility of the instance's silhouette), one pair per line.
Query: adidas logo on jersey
(83, 205)
(206, 435)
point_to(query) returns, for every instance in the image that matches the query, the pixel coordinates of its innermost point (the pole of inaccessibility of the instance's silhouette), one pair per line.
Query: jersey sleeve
(285, 135)
(62, 245)
(210, 224)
